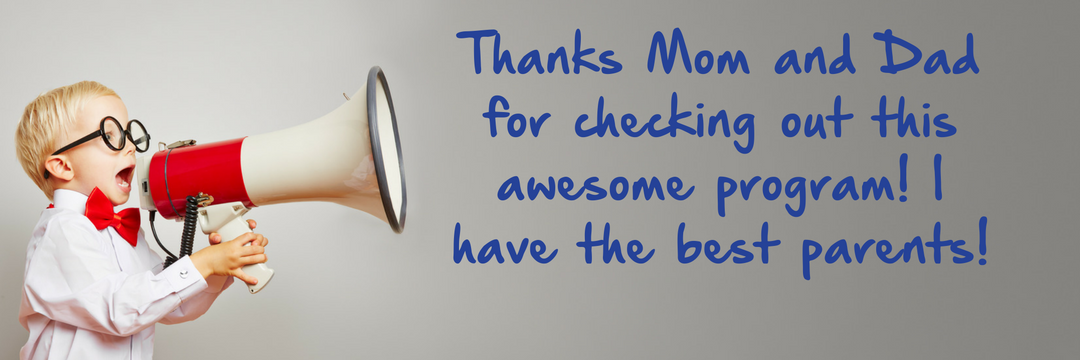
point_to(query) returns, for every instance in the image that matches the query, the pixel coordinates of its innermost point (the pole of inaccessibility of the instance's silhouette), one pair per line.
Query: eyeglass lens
(138, 135)
(112, 133)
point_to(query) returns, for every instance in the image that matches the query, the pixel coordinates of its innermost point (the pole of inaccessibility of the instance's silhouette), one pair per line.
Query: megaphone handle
(228, 221)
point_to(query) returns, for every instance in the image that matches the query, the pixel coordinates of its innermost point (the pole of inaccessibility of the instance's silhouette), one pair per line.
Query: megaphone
(351, 156)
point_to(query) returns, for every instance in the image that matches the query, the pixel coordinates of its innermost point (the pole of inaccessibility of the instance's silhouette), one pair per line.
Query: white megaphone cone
(350, 156)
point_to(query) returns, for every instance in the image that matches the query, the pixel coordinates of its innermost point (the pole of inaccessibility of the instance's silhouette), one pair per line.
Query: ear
(59, 168)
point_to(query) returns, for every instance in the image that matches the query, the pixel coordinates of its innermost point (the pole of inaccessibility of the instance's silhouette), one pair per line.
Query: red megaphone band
(214, 169)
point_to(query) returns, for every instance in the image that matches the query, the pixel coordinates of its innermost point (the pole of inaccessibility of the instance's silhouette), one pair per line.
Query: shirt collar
(70, 199)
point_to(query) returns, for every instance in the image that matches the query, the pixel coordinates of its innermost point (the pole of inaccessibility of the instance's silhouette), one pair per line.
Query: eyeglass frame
(101, 132)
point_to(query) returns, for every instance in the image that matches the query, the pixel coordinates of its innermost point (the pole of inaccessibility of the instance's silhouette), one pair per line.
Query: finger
(250, 250)
(251, 224)
(215, 238)
(245, 238)
(253, 259)
(261, 240)
(258, 239)
(240, 274)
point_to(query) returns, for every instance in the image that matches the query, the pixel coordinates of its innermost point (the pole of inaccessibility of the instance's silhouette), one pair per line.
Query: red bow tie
(100, 211)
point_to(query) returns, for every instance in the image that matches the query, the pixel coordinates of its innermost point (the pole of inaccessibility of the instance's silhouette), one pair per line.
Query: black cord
(165, 175)
(187, 239)
(169, 260)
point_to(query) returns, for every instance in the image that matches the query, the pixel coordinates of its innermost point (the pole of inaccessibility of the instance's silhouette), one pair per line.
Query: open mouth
(123, 178)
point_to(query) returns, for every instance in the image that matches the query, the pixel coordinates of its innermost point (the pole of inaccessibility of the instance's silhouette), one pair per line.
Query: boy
(92, 288)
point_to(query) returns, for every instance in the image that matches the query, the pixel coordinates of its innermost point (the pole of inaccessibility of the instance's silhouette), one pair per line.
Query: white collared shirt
(88, 294)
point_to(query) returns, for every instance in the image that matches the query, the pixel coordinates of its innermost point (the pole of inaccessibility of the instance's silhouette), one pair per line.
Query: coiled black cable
(187, 239)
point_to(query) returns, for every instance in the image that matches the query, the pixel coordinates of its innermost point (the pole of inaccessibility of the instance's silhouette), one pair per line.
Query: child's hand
(229, 257)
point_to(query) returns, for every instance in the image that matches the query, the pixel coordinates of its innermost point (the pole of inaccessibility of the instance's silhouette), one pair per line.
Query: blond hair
(46, 120)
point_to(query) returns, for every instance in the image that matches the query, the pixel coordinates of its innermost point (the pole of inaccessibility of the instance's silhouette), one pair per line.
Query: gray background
(347, 287)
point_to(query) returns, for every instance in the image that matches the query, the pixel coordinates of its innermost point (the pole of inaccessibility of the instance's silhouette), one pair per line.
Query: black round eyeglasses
(115, 136)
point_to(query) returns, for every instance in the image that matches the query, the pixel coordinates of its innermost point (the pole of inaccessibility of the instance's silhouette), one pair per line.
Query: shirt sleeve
(71, 278)
(195, 306)
(197, 303)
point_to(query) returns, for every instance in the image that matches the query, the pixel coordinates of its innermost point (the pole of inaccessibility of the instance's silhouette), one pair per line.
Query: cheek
(89, 165)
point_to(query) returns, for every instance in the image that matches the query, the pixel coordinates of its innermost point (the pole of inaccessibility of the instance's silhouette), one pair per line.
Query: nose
(129, 146)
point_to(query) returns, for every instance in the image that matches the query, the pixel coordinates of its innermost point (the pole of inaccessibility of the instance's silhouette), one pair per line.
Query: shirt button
(183, 274)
